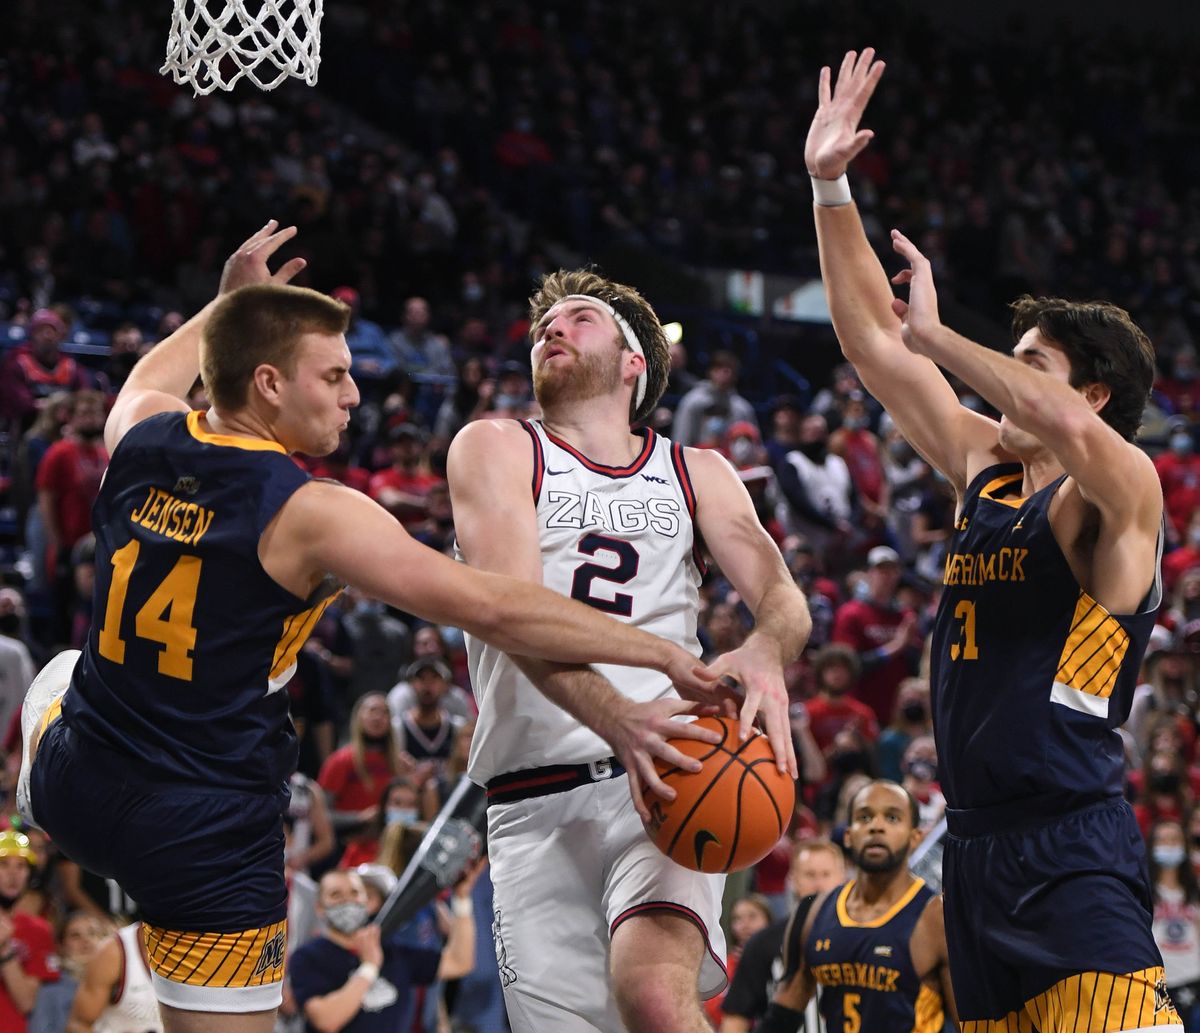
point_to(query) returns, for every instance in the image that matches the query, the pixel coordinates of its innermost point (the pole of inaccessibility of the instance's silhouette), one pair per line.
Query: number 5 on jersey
(165, 617)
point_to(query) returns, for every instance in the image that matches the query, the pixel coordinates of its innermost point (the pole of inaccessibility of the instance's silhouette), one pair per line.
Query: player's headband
(631, 339)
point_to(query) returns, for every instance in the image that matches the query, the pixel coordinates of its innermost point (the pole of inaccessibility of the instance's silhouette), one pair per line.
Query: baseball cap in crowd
(1162, 640)
(882, 554)
(379, 877)
(405, 432)
(346, 295)
(16, 844)
(742, 429)
(47, 317)
(428, 663)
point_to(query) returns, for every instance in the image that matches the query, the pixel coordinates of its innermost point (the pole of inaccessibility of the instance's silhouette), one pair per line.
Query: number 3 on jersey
(625, 570)
(965, 648)
(165, 617)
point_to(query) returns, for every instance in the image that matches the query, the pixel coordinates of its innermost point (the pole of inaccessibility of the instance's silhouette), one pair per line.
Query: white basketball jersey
(136, 1009)
(620, 539)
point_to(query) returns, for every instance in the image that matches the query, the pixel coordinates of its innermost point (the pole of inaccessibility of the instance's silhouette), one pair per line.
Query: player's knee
(652, 999)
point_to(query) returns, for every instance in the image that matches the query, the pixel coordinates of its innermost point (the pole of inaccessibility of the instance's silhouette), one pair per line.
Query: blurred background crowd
(451, 155)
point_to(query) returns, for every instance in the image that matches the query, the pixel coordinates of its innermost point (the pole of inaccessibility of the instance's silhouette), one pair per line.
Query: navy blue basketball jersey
(1030, 675)
(191, 640)
(864, 971)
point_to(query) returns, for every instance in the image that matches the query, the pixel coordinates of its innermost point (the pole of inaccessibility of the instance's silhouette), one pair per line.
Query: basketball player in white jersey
(595, 929)
(116, 994)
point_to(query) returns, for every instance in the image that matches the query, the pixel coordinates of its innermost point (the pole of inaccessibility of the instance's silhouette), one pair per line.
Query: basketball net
(214, 43)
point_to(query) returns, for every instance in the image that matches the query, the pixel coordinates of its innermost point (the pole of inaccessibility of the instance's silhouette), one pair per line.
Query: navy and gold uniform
(864, 971)
(167, 767)
(1047, 905)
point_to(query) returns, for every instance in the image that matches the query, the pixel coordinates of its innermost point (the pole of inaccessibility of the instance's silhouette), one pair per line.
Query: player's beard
(878, 863)
(589, 377)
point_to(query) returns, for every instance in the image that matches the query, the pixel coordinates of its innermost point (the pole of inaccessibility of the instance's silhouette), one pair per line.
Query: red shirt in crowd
(34, 943)
(72, 471)
(864, 626)
(1180, 477)
(828, 715)
(346, 788)
(417, 483)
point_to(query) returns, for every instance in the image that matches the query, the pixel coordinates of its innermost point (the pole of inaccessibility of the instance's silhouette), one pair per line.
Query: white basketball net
(264, 40)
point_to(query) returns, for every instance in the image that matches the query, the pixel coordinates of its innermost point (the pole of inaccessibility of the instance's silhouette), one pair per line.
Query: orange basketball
(729, 814)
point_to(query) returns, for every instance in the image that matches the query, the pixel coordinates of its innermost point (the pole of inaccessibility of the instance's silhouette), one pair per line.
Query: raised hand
(248, 264)
(834, 137)
(758, 668)
(919, 315)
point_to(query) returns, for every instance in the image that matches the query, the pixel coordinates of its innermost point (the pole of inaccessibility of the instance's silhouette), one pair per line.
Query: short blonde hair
(260, 325)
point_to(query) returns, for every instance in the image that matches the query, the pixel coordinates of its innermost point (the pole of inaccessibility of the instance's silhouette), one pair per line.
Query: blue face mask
(1181, 444)
(401, 815)
(1169, 856)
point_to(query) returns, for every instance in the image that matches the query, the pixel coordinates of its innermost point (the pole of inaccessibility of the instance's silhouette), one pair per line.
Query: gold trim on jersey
(228, 440)
(996, 484)
(296, 630)
(250, 958)
(1092, 1002)
(929, 1012)
(1091, 659)
(849, 923)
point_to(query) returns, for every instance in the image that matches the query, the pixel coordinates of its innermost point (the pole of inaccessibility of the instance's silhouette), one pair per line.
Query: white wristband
(831, 193)
(369, 971)
(462, 907)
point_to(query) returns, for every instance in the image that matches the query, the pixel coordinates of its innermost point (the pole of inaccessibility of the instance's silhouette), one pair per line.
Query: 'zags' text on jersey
(569, 509)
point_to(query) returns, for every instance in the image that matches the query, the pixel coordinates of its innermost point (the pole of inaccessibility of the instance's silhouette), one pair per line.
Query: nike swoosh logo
(555, 473)
(703, 838)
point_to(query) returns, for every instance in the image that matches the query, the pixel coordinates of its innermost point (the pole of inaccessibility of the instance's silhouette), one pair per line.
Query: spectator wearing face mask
(1176, 917)
(919, 767)
(1179, 472)
(350, 979)
(398, 805)
(1186, 557)
(910, 720)
(1166, 794)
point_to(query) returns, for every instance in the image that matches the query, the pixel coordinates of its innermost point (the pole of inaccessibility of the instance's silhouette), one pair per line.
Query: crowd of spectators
(522, 139)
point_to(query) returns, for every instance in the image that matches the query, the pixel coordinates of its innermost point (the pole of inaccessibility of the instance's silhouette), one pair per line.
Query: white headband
(630, 339)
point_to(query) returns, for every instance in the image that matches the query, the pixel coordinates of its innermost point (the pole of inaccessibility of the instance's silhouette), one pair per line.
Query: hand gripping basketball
(729, 814)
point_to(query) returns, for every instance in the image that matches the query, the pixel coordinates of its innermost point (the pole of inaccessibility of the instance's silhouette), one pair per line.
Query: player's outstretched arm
(750, 559)
(490, 467)
(910, 387)
(1113, 474)
(161, 381)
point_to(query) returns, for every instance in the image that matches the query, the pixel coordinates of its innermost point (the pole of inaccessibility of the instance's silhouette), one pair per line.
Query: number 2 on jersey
(165, 617)
(624, 572)
(965, 648)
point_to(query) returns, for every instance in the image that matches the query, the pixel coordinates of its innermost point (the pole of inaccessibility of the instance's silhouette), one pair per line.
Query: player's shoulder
(482, 444)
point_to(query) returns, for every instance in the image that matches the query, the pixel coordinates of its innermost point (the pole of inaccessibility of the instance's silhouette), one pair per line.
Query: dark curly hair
(1103, 345)
(634, 309)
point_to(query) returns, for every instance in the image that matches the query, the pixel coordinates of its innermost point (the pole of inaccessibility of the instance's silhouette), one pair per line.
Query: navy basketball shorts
(204, 865)
(1048, 923)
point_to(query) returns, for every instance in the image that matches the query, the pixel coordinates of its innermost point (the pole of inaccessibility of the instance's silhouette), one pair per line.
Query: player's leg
(655, 962)
(548, 925)
(1135, 1002)
(178, 1021)
(1080, 925)
(43, 703)
(667, 950)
